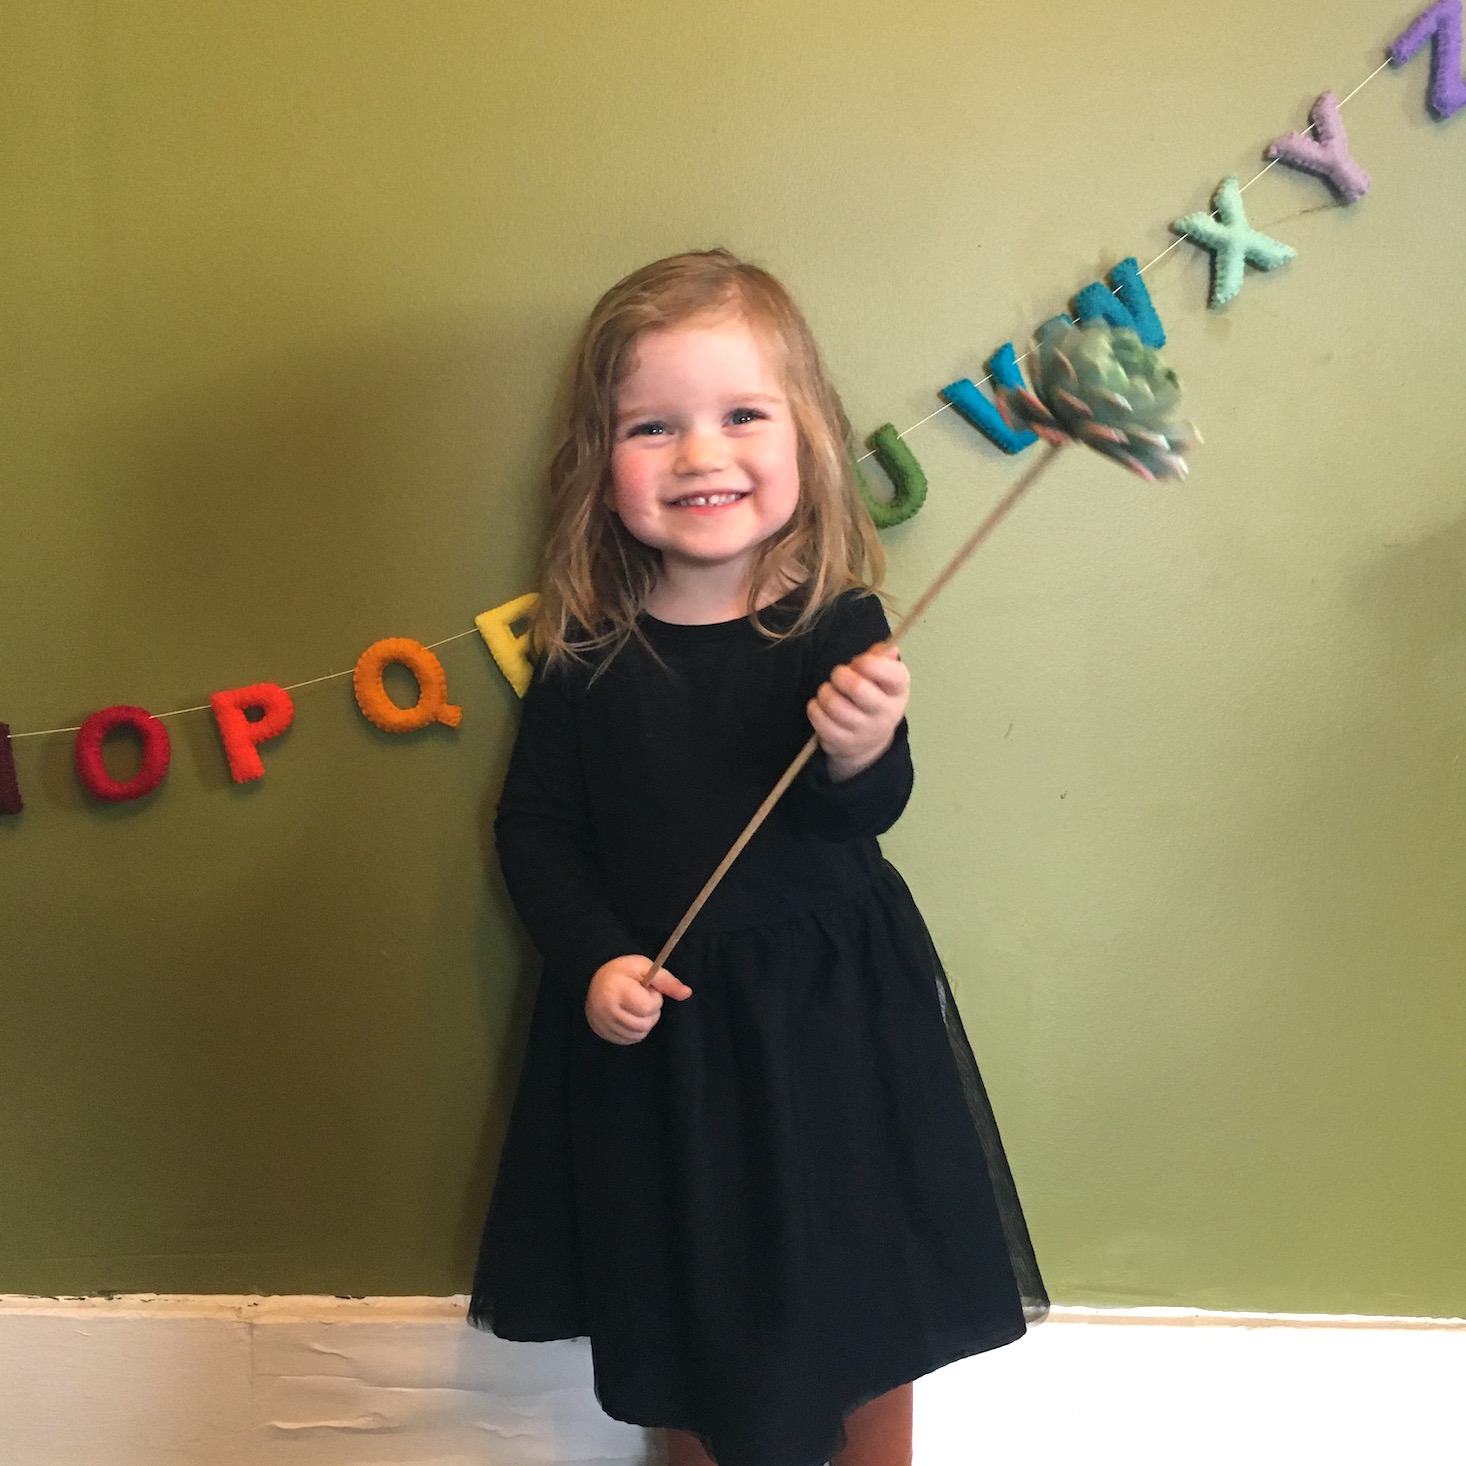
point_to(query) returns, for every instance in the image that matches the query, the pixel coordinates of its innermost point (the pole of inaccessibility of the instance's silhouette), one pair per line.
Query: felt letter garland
(1123, 302)
(1441, 26)
(10, 801)
(1233, 242)
(510, 652)
(240, 736)
(88, 754)
(907, 479)
(432, 682)
(1013, 420)
(982, 414)
(1327, 154)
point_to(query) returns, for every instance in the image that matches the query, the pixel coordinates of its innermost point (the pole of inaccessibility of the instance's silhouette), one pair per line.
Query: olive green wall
(288, 291)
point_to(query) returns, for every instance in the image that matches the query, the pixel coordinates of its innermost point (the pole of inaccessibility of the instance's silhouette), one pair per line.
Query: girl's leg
(879, 1433)
(684, 1449)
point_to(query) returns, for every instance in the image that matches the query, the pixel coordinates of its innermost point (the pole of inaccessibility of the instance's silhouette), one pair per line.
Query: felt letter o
(10, 801)
(510, 652)
(88, 752)
(241, 737)
(432, 682)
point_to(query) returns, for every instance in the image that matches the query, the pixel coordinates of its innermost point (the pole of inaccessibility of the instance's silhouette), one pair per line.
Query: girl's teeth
(709, 501)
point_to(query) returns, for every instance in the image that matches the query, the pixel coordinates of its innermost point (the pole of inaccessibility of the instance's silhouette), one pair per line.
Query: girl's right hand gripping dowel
(619, 1008)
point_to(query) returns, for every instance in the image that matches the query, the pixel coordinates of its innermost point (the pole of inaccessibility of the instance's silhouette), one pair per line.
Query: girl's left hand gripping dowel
(621, 1006)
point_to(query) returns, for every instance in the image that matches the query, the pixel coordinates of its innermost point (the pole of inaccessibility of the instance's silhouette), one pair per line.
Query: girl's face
(705, 459)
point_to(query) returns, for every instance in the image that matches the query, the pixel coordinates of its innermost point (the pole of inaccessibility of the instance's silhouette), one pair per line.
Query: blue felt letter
(982, 414)
(1125, 302)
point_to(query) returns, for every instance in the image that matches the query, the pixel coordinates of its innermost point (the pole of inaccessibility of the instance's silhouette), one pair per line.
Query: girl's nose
(701, 452)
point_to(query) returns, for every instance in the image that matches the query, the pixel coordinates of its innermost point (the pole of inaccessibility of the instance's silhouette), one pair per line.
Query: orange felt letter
(432, 699)
(242, 737)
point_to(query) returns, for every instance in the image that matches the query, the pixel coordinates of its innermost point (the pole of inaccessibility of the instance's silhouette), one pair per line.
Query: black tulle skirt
(789, 1199)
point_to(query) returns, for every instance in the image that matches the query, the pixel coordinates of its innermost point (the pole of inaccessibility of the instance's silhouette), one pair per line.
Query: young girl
(778, 1198)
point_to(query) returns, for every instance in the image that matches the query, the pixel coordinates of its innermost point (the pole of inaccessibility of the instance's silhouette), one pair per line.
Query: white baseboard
(209, 1381)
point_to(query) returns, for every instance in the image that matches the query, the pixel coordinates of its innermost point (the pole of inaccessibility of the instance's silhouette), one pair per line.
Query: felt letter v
(982, 414)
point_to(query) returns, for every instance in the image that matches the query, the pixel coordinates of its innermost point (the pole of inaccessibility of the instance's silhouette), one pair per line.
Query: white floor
(386, 1382)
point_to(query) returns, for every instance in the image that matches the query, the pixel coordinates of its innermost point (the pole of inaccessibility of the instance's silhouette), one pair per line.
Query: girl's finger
(664, 982)
(890, 676)
(837, 700)
(640, 1002)
(865, 692)
(835, 716)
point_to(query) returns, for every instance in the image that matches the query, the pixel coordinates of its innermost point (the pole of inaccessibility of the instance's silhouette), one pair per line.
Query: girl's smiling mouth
(709, 501)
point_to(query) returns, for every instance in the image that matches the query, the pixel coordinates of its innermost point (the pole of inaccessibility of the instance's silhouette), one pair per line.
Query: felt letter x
(1326, 154)
(1233, 242)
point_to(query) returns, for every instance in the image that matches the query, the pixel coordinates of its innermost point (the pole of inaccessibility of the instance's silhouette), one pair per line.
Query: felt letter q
(432, 682)
(242, 737)
(88, 753)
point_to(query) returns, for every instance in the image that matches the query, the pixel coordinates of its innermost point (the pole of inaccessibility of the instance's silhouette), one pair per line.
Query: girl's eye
(741, 415)
(646, 430)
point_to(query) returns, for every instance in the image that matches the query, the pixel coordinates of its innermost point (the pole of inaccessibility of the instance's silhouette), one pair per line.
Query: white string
(204, 707)
(1180, 239)
(333, 676)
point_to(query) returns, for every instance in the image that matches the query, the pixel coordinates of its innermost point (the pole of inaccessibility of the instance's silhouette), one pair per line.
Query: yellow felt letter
(508, 649)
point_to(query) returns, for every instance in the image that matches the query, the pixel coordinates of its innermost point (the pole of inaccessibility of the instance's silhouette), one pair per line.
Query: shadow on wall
(512, 1022)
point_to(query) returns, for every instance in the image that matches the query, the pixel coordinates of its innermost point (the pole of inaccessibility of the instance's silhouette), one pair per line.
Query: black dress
(791, 1196)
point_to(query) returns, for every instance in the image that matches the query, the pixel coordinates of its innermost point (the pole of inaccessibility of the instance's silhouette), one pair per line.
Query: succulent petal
(1101, 385)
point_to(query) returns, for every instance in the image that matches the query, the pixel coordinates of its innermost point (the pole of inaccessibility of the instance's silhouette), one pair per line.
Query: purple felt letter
(1440, 24)
(1326, 153)
(10, 802)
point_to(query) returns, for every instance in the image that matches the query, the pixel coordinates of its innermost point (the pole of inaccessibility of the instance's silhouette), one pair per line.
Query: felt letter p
(242, 737)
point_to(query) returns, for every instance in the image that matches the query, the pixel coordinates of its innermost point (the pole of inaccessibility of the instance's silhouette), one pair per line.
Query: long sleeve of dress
(872, 801)
(544, 841)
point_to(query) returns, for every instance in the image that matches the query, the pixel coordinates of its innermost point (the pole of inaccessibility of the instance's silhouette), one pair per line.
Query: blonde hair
(596, 576)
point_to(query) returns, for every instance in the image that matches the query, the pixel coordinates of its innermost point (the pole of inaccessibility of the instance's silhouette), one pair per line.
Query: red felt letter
(9, 785)
(93, 772)
(242, 737)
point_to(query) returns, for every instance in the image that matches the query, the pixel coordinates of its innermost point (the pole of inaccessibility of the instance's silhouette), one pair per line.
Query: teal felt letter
(984, 415)
(1124, 302)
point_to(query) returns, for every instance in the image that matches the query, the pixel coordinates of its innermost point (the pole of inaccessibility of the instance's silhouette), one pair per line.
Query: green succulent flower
(1101, 385)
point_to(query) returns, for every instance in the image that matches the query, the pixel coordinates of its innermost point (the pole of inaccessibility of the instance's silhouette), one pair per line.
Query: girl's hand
(619, 1009)
(855, 713)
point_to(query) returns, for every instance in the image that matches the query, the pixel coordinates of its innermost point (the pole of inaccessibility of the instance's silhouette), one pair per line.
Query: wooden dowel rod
(923, 604)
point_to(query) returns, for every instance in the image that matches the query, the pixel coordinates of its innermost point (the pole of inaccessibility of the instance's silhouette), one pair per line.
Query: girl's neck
(706, 594)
